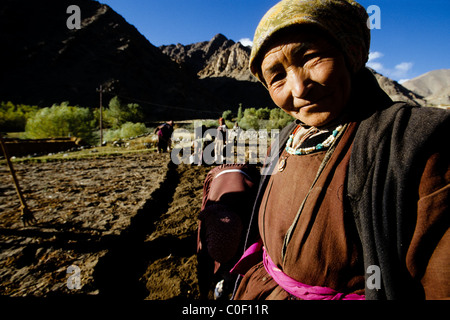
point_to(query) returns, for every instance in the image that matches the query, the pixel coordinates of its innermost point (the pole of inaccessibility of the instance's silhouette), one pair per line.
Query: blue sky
(414, 37)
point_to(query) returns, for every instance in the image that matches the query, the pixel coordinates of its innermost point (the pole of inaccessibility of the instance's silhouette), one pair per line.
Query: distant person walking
(164, 133)
(220, 141)
(199, 145)
(236, 131)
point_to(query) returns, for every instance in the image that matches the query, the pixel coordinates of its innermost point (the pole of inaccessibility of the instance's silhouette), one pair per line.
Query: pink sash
(301, 290)
(250, 257)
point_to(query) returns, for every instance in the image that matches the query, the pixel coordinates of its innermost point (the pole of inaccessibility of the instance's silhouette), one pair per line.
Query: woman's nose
(298, 83)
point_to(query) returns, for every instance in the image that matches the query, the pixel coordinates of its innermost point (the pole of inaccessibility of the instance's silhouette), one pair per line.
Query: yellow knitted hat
(344, 20)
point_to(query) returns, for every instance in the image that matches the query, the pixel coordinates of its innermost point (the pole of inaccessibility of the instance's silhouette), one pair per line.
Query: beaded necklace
(301, 151)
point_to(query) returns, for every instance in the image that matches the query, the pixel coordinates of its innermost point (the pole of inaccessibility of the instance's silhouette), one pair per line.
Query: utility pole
(100, 90)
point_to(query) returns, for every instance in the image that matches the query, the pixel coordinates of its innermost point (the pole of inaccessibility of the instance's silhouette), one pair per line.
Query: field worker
(219, 141)
(164, 133)
(357, 202)
(198, 145)
(229, 191)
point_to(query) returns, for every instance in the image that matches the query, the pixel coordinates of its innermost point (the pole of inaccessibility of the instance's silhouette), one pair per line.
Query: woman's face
(307, 77)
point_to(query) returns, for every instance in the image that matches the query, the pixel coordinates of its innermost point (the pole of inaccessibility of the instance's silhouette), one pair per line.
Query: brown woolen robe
(396, 195)
(325, 249)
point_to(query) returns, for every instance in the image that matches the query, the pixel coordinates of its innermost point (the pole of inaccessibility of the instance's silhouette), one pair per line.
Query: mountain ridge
(218, 57)
(434, 86)
(230, 60)
(47, 63)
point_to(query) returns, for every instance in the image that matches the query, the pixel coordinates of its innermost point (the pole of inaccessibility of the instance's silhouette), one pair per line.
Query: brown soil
(128, 222)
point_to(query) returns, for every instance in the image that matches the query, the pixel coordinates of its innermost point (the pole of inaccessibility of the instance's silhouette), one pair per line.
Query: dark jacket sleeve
(428, 256)
(391, 152)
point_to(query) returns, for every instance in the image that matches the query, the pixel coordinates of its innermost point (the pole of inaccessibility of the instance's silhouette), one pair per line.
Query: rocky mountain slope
(221, 58)
(397, 92)
(434, 86)
(45, 63)
(221, 65)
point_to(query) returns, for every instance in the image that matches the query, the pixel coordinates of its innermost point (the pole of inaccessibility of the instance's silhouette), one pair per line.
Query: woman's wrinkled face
(307, 77)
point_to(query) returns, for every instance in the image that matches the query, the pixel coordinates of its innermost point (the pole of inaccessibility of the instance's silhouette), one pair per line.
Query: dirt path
(128, 222)
(173, 271)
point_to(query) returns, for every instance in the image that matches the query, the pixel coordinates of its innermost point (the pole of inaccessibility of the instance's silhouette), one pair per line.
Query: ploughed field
(115, 225)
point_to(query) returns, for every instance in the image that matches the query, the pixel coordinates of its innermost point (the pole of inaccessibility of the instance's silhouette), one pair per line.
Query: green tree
(135, 113)
(240, 114)
(263, 113)
(127, 130)
(227, 115)
(278, 119)
(250, 112)
(61, 121)
(275, 114)
(14, 117)
(119, 113)
(249, 120)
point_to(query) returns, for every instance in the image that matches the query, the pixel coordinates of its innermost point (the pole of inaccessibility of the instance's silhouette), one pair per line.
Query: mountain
(219, 57)
(47, 63)
(397, 92)
(218, 61)
(434, 86)
(221, 65)
(43, 62)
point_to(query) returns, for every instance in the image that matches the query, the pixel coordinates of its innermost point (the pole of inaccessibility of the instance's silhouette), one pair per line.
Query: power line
(163, 105)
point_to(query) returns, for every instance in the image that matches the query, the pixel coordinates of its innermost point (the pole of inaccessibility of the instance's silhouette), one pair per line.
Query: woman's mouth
(314, 102)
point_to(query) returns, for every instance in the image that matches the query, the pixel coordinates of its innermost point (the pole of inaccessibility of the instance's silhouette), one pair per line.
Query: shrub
(227, 115)
(127, 130)
(240, 114)
(252, 118)
(211, 123)
(250, 112)
(263, 113)
(13, 118)
(278, 119)
(249, 120)
(61, 121)
(119, 113)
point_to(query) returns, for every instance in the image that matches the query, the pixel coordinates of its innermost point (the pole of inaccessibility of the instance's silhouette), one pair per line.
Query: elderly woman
(356, 205)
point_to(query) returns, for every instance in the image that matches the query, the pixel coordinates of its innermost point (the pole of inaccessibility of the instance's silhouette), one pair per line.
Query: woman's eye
(310, 56)
(277, 77)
